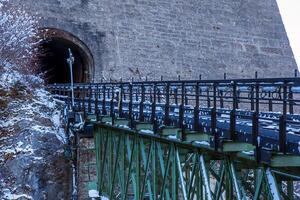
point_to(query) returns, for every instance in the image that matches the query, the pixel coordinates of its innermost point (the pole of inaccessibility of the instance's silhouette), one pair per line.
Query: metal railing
(262, 112)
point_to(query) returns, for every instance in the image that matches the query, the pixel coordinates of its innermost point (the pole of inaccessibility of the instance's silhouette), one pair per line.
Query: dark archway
(55, 47)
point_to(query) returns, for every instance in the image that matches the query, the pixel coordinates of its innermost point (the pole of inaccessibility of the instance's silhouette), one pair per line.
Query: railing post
(282, 134)
(255, 124)
(104, 100)
(83, 101)
(252, 97)
(270, 102)
(181, 111)
(79, 99)
(233, 112)
(255, 136)
(291, 101)
(196, 108)
(208, 97)
(141, 115)
(215, 95)
(282, 122)
(153, 108)
(214, 119)
(257, 97)
(120, 101)
(176, 96)
(186, 99)
(130, 114)
(221, 99)
(167, 105)
(90, 99)
(96, 102)
(112, 104)
(137, 94)
(158, 95)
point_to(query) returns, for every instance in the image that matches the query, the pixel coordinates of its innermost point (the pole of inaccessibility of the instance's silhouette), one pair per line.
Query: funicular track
(201, 139)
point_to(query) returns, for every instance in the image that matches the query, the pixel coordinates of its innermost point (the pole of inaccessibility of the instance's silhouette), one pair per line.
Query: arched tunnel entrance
(55, 47)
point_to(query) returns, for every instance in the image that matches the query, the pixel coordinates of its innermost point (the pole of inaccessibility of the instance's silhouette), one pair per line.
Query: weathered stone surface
(157, 37)
(32, 161)
(86, 166)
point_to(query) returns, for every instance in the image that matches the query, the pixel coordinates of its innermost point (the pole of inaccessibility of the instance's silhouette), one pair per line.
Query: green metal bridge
(200, 139)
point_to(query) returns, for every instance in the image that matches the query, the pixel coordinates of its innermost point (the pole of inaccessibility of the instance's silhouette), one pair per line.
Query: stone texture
(86, 166)
(32, 161)
(175, 37)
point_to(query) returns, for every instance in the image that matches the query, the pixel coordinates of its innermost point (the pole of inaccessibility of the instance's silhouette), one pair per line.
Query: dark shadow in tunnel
(54, 61)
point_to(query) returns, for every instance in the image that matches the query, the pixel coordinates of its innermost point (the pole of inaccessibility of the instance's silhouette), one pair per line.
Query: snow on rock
(32, 164)
(8, 195)
(32, 140)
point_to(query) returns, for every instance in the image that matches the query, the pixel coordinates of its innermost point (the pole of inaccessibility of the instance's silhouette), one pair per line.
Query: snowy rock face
(32, 162)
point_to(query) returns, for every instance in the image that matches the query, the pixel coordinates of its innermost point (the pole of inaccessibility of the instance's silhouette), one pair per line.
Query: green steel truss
(136, 165)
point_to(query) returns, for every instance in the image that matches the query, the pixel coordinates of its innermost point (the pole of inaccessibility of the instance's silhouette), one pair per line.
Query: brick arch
(55, 45)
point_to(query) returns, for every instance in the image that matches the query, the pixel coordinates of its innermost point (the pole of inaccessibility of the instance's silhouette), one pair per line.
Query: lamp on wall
(70, 62)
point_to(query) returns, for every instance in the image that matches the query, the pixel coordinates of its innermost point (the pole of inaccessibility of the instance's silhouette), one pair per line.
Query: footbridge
(196, 139)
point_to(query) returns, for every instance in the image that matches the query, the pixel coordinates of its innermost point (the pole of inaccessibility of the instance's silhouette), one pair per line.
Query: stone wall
(175, 37)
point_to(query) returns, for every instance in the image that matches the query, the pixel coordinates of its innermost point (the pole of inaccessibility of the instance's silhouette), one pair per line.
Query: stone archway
(54, 49)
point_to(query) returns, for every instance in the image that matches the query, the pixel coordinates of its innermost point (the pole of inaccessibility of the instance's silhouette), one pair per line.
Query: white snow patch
(9, 196)
(61, 135)
(41, 129)
(17, 149)
(205, 143)
(124, 126)
(173, 137)
(38, 158)
(56, 119)
(94, 194)
(146, 131)
(250, 153)
(43, 98)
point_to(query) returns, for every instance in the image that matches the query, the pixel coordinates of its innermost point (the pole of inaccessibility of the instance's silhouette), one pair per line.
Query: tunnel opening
(55, 52)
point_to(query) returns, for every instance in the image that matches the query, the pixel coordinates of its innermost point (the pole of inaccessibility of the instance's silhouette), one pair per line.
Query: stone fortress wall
(138, 38)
